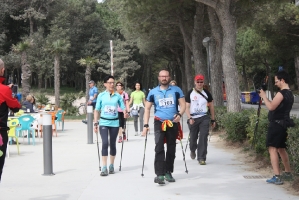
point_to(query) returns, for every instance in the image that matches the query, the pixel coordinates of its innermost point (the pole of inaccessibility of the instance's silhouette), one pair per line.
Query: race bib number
(166, 102)
(110, 110)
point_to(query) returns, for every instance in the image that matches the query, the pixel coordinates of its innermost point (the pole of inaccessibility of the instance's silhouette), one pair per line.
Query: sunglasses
(199, 81)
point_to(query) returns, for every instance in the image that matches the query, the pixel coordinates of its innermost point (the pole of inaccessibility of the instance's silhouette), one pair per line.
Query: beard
(165, 82)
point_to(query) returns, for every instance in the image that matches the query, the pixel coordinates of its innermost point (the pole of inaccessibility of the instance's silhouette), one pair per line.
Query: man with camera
(6, 101)
(279, 121)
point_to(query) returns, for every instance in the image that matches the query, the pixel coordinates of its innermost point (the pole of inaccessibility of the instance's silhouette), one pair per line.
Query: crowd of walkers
(113, 106)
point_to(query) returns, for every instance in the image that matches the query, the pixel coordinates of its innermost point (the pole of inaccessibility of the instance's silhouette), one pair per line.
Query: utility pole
(111, 50)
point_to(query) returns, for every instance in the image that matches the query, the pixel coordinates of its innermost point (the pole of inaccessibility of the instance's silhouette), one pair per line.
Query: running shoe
(168, 177)
(104, 171)
(159, 180)
(111, 169)
(275, 180)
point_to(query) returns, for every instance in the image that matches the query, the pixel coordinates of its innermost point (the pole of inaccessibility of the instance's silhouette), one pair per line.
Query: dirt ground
(257, 165)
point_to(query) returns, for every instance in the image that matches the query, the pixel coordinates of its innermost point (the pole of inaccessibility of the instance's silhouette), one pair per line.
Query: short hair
(107, 78)
(1, 64)
(283, 75)
(173, 81)
(134, 86)
(164, 70)
(118, 82)
(29, 97)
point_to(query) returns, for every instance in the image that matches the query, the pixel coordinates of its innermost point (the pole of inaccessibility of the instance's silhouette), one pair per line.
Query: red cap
(199, 77)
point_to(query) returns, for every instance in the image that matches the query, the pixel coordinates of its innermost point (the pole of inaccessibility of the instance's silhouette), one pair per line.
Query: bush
(261, 133)
(220, 112)
(235, 125)
(41, 99)
(293, 146)
(66, 102)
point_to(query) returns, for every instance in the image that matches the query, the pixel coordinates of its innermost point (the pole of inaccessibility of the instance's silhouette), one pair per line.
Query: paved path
(76, 166)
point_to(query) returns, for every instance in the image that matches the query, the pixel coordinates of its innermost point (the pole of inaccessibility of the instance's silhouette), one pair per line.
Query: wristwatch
(145, 125)
(96, 124)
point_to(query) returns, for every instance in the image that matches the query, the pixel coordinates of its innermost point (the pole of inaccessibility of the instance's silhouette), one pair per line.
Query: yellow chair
(20, 113)
(13, 123)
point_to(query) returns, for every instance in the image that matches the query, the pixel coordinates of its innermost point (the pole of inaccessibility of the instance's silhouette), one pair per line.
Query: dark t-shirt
(284, 108)
(27, 105)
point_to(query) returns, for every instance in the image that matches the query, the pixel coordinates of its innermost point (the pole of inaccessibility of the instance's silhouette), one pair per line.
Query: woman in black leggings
(107, 104)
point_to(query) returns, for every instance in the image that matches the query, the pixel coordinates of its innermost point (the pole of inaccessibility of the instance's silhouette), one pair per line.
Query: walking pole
(256, 123)
(144, 153)
(127, 130)
(122, 147)
(98, 152)
(187, 142)
(183, 155)
(211, 134)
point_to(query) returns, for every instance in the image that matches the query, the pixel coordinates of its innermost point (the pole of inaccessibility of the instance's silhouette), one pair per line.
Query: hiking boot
(192, 155)
(104, 171)
(202, 162)
(159, 180)
(286, 176)
(168, 177)
(120, 140)
(84, 121)
(124, 136)
(111, 169)
(275, 180)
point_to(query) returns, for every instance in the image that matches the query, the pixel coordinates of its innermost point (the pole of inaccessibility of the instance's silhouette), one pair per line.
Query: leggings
(105, 131)
(141, 113)
(3, 149)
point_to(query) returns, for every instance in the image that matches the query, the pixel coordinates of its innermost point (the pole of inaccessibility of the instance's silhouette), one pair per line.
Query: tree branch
(211, 3)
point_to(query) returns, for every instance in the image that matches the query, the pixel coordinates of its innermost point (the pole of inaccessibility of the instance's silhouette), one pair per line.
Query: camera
(262, 87)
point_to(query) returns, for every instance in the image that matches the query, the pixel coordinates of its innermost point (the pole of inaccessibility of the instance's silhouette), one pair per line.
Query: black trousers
(3, 149)
(161, 164)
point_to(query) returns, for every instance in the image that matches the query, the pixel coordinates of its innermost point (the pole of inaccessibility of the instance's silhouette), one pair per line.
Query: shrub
(41, 99)
(235, 125)
(220, 112)
(66, 102)
(293, 146)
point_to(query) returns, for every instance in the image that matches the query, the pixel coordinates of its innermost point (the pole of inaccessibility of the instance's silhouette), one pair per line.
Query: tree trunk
(245, 80)
(224, 10)
(40, 79)
(188, 67)
(229, 27)
(87, 79)
(57, 79)
(216, 62)
(25, 76)
(296, 61)
(197, 37)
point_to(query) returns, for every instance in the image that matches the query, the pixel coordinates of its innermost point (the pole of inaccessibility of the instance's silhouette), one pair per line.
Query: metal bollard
(89, 125)
(47, 145)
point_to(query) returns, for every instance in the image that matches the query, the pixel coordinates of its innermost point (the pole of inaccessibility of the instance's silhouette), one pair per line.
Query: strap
(109, 119)
(201, 94)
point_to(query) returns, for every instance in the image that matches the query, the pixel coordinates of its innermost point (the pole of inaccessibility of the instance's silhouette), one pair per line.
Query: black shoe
(84, 121)
(192, 155)
(159, 180)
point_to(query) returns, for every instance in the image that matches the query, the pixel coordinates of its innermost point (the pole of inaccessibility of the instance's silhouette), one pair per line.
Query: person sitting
(27, 105)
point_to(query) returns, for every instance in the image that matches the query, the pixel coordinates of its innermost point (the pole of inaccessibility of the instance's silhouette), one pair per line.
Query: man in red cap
(200, 112)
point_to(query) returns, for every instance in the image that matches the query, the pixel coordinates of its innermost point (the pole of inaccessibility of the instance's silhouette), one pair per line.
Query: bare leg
(274, 160)
(104, 160)
(285, 159)
(112, 158)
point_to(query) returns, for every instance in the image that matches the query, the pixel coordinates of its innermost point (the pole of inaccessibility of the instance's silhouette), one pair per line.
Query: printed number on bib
(166, 102)
(110, 110)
